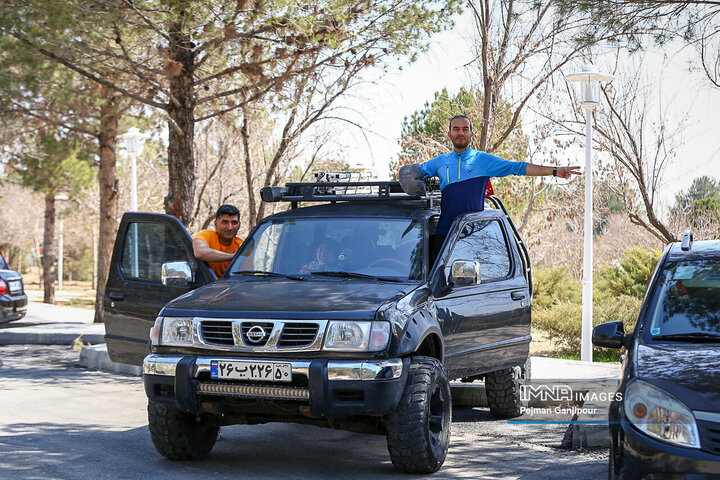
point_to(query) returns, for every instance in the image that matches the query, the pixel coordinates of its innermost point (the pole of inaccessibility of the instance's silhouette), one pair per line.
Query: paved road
(60, 421)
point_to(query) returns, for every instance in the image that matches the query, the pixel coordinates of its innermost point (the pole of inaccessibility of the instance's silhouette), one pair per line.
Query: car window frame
(511, 270)
(190, 256)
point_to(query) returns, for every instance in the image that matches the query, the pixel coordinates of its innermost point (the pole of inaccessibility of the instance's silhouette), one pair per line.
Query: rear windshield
(386, 248)
(688, 301)
(3, 263)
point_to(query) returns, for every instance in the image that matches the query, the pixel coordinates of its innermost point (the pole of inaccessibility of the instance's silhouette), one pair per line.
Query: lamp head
(589, 79)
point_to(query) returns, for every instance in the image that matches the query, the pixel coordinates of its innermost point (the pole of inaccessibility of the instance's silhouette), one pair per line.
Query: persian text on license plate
(240, 370)
(14, 286)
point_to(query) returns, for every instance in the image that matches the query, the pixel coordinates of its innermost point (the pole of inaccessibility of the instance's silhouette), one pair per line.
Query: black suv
(13, 301)
(665, 419)
(365, 340)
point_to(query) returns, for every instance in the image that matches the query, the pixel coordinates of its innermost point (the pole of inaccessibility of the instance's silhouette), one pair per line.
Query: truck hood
(285, 298)
(691, 373)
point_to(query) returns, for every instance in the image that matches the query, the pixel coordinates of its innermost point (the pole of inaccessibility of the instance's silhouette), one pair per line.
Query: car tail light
(3, 287)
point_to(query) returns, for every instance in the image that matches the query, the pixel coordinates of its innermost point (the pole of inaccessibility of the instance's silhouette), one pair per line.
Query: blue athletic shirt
(468, 173)
(453, 166)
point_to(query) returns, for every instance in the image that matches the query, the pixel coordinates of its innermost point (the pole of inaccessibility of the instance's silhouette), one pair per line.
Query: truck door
(135, 291)
(486, 325)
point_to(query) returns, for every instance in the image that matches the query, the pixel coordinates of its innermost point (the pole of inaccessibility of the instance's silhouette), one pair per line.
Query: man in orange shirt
(217, 247)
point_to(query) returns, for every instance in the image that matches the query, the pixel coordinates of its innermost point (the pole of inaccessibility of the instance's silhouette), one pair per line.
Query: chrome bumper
(155, 364)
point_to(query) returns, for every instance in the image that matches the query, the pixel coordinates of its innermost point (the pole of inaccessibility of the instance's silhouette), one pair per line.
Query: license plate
(14, 286)
(241, 370)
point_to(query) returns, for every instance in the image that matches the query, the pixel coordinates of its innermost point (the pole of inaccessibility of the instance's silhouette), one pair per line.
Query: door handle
(517, 295)
(116, 295)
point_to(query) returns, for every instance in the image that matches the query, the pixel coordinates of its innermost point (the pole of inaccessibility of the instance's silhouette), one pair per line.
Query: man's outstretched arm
(532, 170)
(202, 251)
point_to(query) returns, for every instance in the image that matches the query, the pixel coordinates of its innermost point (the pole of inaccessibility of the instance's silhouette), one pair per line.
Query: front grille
(709, 436)
(217, 332)
(298, 334)
(256, 334)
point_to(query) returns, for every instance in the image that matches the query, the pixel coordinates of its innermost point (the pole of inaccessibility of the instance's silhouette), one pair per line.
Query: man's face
(460, 133)
(326, 254)
(227, 226)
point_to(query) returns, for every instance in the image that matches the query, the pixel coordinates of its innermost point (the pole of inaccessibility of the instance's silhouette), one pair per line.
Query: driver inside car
(326, 258)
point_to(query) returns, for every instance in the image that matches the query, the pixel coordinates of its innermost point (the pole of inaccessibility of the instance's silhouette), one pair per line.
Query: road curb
(95, 357)
(23, 338)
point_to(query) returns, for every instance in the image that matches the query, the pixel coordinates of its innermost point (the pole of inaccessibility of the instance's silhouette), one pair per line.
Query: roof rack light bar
(336, 191)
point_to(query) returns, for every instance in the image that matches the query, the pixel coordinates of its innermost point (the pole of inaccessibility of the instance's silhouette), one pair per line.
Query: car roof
(699, 250)
(411, 209)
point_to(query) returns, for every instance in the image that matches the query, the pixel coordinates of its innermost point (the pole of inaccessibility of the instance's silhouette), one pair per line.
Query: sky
(382, 103)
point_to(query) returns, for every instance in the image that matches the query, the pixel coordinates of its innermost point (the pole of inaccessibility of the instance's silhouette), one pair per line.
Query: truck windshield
(309, 247)
(688, 303)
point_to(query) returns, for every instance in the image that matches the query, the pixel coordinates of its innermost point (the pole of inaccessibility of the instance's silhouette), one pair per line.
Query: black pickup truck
(366, 341)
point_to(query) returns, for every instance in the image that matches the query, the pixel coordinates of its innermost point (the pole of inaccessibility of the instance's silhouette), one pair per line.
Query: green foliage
(631, 276)
(553, 286)
(424, 133)
(617, 296)
(699, 204)
(563, 322)
(57, 165)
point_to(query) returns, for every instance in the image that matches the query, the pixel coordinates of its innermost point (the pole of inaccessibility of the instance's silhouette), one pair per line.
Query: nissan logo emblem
(256, 334)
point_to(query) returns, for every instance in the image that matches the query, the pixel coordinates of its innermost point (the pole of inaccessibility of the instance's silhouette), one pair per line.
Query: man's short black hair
(459, 116)
(227, 210)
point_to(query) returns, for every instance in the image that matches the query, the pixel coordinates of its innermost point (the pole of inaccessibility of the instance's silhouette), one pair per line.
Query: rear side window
(484, 242)
(3, 263)
(147, 246)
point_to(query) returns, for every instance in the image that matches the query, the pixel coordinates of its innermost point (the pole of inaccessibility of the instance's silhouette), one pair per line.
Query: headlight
(357, 336)
(660, 416)
(174, 330)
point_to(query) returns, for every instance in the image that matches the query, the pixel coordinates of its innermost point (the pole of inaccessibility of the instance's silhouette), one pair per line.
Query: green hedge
(617, 296)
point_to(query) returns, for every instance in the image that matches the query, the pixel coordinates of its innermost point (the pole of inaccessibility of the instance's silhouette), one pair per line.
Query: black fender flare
(419, 326)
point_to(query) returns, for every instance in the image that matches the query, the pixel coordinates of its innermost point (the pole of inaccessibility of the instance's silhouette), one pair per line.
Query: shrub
(617, 296)
(631, 276)
(563, 321)
(554, 286)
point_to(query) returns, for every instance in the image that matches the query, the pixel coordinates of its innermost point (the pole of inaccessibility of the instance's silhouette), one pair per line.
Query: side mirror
(177, 274)
(610, 335)
(464, 272)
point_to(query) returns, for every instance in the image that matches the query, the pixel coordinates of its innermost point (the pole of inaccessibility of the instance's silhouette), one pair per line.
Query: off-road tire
(179, 435)
(502, 388)
(418, 432)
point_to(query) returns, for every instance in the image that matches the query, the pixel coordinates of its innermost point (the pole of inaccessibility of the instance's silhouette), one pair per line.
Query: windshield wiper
(262, 273)
(690, 336)
(355, 275)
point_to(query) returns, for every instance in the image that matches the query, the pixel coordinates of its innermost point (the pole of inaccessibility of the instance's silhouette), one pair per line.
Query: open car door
(152, 263)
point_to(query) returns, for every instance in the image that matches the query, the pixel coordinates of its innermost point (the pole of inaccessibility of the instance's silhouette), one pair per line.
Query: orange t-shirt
(213, 240)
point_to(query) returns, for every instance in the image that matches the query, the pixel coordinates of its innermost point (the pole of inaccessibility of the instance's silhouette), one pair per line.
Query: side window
(483, 242)
(260, 252)
(147, 246)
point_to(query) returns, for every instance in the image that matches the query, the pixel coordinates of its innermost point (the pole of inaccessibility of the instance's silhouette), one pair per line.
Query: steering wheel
(393, 262)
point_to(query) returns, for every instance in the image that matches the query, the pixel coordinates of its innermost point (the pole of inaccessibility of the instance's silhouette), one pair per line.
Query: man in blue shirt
(464, 174)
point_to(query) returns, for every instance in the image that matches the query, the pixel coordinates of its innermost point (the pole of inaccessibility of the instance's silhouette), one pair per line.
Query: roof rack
(687, 241)
(329, 189)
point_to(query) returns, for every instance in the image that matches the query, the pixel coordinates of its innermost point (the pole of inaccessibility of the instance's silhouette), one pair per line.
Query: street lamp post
(61, 244)
(134, 140)
(589, 80)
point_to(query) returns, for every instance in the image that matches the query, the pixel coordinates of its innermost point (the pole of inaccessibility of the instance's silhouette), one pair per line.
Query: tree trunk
(49, 253)
(108, 182)
(252, 206)
(181, 111)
